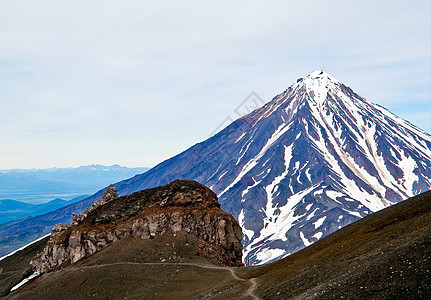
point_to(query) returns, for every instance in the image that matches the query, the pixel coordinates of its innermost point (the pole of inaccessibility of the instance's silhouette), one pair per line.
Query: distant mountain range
(42, 185)
(315, 158)
(29, 193)
(12, 210)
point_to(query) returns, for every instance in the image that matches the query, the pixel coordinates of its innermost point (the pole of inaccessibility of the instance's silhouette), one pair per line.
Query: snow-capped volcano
(329, 157)
(312, 160)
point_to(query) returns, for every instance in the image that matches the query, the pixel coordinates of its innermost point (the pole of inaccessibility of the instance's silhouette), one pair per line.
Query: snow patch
(317, 235)
(238, 139)
(24, 281)
(408, 165)
(333, 194)
(304, 240)
(221, 176)
(319, 222)
(248, 233)
(266, 254)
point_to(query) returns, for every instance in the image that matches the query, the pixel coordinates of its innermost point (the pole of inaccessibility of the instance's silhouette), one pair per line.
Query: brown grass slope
(16, 267)
(386, 255)
(165, 267)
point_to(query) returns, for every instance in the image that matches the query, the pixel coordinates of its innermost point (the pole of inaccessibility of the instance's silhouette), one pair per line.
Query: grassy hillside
(386, 255)
(166, 267)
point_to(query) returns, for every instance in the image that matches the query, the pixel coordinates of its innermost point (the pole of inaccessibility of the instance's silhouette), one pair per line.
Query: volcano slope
(165, 267)
(15, 268)
(386, 255)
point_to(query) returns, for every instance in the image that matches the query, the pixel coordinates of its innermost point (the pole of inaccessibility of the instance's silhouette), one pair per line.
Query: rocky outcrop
(185, 206)
(109, 195)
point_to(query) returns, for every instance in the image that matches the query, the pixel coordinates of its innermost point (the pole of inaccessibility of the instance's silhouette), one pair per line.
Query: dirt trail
(250, 291)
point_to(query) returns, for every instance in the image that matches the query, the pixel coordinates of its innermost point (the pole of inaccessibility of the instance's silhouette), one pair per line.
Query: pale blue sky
(135, 82)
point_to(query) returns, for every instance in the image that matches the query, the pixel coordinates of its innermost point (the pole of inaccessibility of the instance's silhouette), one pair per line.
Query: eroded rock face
(109, 195)
(179, 206)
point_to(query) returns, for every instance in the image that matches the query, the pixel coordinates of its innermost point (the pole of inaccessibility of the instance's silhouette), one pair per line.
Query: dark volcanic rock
(109, 195)
(179, 206)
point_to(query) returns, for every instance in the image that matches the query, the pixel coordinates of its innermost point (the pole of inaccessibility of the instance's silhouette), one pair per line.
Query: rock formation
(109, 195)
(179, 206)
